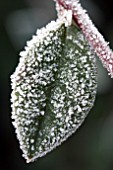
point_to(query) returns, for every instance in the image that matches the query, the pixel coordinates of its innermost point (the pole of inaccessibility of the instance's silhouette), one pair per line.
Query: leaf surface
(54, 88)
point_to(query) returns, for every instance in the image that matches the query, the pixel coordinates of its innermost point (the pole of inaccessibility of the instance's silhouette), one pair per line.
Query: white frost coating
(54, 88)
(92, 34)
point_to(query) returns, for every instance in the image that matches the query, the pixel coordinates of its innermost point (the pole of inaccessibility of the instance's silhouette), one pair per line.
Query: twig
(92, 34)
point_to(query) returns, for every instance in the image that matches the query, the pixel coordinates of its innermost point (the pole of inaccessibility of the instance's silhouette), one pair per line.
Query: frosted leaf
(54, 88)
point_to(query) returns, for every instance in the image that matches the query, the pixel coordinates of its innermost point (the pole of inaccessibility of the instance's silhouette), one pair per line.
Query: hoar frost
(54, 88)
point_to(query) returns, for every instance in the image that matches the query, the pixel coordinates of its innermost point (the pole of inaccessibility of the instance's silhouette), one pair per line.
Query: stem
(92, 34)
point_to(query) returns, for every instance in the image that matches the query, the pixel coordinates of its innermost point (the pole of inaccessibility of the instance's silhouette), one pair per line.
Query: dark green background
(91, 147)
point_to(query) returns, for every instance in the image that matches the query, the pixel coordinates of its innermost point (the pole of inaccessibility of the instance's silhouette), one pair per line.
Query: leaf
(54, 88)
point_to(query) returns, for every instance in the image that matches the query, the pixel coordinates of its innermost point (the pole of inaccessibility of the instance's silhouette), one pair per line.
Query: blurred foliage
(91, 147)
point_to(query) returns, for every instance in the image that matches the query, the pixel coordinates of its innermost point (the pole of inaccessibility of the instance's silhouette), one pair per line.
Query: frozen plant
(54, 84)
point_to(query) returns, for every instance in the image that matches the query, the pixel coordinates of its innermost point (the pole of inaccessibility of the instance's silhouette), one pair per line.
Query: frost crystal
(54, 88)
(92, 34)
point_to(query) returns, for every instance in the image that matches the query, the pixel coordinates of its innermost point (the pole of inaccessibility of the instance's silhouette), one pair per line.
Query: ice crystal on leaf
(54, 87)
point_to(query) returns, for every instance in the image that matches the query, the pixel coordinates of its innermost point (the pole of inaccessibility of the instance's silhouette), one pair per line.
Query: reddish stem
(92, 34)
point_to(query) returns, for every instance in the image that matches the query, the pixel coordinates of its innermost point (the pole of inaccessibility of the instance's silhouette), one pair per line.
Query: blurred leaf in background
(91, 147)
